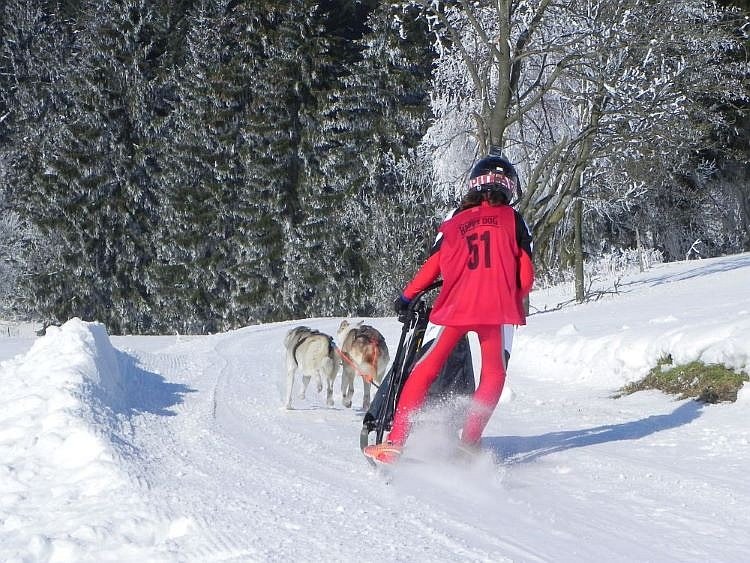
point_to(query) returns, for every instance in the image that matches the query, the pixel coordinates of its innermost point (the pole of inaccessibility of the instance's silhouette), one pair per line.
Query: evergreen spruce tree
(402, 234)
(98, 185)
(36, 46)
(250, 217)
(375, 121)
(255, 223)
(287, 270)
(345, 133)
(200, 169)
(315, 278)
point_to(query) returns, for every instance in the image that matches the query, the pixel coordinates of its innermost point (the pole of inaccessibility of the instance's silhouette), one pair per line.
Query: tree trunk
(578, 249)
(639, 249)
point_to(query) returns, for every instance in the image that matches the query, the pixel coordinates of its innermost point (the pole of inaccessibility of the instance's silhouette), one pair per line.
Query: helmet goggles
(493, 181)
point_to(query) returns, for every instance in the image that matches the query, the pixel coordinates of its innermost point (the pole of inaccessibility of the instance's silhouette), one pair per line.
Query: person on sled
(483, 254)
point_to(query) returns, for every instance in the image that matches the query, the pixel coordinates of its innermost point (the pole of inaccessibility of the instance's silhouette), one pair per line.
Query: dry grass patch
(710, 383)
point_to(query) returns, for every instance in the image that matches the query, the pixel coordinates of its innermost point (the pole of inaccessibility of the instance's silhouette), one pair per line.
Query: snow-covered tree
(578, 94)
(308, 205)
(372, 123)
(36, 46)
(403, 208)
(200, 168)
(94, 195)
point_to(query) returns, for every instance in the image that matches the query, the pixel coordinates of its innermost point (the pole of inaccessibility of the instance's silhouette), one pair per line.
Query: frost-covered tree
(307, 208)
(36, 46)
(373, 122)
(578, 94)
(249, 212)
(94, 195)
(200, 170)
(661, 121)
(13, 237)
(404, 210)
(729, 184)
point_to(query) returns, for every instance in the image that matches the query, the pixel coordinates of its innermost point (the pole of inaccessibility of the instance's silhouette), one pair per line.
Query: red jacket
(484, 257)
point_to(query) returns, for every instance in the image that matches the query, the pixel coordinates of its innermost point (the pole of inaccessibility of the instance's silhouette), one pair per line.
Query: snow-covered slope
(178, 449)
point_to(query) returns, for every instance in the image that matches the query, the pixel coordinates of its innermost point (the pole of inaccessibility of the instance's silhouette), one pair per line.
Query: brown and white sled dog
(365, 347)
(312, 354)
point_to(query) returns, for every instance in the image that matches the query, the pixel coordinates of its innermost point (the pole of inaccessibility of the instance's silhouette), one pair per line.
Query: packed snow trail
(178, 449)
(255, 471)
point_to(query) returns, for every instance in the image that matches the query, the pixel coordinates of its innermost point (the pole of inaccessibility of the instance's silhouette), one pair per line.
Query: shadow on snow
(146, 392)
(701, 269)
(523, 449)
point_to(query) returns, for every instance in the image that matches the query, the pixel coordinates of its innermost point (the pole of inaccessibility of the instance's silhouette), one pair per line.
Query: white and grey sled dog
(365, 355)
(313, 354)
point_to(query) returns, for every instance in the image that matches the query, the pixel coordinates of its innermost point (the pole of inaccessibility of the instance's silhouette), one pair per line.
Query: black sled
(455, 379)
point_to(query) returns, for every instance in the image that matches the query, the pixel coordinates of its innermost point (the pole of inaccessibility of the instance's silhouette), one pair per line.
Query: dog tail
(371, 355)
(332, 361)
(371, 360)
(376, 350)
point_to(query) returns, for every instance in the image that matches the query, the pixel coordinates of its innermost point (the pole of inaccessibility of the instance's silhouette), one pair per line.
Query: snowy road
(252, 480)
(583, 473)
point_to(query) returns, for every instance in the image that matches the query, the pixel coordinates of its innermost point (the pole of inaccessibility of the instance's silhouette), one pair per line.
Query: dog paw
(347, 403)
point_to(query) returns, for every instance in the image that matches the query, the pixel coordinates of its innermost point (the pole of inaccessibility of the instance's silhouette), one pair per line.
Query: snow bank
(59, 473)
(743, 395)
(677, 311)
(611, 360)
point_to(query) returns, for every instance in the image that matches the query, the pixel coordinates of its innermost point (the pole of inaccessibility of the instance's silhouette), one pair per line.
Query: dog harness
(374, 339)
(312, 333)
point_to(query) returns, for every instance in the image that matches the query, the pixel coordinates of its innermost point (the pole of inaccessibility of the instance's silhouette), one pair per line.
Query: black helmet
(495, 173)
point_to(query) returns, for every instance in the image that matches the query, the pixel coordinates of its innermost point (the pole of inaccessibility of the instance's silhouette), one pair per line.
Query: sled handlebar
(409, 316)
(425, 291)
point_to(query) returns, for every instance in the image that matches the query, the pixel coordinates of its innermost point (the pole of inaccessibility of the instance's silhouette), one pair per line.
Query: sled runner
(455, 453)
(455, 379)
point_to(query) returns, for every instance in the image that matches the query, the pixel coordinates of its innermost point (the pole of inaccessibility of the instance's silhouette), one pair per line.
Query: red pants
(425, 372)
